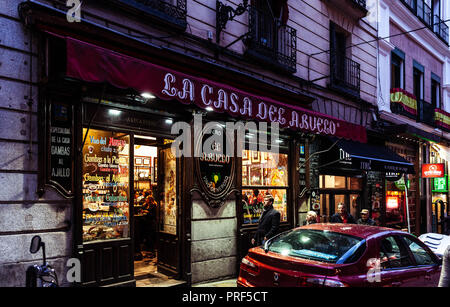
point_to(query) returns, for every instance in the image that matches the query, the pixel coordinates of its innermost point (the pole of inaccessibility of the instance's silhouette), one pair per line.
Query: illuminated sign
(433, 170)
(392, 202)
(440, 184)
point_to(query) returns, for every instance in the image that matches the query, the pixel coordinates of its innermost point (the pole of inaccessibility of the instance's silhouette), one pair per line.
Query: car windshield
(320, 245)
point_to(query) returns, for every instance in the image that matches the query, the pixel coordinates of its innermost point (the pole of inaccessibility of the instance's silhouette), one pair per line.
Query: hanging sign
(435, 170)
(393, 176)
(60, 148)
(440, 185)
(400, 184)
(214, 165)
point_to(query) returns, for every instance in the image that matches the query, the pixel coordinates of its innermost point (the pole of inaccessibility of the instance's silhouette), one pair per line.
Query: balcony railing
(352, 8)
(422, 10)
(441, 29)
(271, 42)
(172, 12)
(345, 74)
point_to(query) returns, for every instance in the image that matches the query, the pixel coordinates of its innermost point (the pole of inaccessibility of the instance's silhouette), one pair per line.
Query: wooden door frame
(79, 246)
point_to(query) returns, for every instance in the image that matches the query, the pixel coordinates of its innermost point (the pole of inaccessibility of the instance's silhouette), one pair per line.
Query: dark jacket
(336, 218)
(268, 225)
(309, 223)
(369, 222)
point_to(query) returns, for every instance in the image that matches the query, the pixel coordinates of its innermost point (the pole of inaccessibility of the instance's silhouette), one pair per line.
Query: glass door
(168, 189)
(106, 247)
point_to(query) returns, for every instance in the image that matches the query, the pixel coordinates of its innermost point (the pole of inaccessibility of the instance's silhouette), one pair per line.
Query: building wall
(213, 233)
(214, 238)
(23, 214)
(423, 46)
(414, 52)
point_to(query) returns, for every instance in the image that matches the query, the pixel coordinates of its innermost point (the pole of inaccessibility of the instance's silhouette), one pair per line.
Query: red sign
(92, 63)
(433, 170)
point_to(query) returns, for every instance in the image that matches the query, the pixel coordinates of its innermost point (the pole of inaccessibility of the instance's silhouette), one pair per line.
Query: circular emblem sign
(214, 165)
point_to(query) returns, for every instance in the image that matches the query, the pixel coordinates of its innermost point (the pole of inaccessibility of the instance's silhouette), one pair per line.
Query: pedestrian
(444, 280)
(311, 218)
(342, 216)
(365, 219)
(269, 222)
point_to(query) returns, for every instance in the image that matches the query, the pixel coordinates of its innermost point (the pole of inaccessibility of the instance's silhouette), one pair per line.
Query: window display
(262, 173)
(105, 185)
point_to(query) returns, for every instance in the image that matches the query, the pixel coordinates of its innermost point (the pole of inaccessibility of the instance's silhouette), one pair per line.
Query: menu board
(60, 153)
(105, 185)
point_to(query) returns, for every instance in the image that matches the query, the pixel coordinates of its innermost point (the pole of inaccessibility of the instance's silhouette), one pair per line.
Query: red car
(341, 255)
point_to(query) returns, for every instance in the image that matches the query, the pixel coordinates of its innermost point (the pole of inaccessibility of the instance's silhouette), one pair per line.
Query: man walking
(268, 223)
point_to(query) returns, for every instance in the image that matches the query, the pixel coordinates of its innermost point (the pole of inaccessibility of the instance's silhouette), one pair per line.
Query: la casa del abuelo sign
(90, 63)
(214, 166)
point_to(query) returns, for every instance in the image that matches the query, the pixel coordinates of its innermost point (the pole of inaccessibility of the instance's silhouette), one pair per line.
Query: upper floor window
(418, 84)
(270, 40)
(397, 69)
(435, 91)
(344, 72)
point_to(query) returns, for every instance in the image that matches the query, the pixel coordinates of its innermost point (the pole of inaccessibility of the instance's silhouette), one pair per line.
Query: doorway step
(156, 279)
(146, 275)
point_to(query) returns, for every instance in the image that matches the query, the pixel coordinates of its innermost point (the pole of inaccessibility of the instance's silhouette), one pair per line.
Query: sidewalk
(220, 283)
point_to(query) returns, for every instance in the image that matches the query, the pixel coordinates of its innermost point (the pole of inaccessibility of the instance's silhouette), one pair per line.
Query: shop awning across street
(373, 157)
(92, 63)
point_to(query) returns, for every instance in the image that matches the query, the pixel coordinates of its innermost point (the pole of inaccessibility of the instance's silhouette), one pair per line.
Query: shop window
(355, 183)
(262, 173)
(334, 182)
(105, 185)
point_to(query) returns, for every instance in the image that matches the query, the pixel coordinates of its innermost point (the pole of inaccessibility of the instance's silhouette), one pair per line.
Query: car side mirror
(35, 244)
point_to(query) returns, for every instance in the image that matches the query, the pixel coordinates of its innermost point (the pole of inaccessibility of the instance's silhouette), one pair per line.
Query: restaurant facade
(157, 157)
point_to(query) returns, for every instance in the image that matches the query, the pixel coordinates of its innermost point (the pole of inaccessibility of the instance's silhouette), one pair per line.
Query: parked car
(340, 255)
(437, 242)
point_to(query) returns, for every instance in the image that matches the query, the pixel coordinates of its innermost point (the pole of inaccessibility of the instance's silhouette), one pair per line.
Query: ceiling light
(114, 112)
(209, 109)
(147, 95)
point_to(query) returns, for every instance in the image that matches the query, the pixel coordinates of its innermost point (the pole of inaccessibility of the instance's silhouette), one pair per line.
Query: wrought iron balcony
(168, 12)
(422, 10)
(345, 74)
(352, 8)
(271, 42)
(441, 29)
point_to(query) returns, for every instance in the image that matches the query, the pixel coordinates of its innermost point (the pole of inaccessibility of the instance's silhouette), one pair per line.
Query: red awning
(92, 63)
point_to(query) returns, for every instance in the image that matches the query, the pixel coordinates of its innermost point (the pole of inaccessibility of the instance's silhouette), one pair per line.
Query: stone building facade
(326, 63)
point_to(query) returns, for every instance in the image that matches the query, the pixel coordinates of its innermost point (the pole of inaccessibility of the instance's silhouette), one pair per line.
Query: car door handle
(396, 283)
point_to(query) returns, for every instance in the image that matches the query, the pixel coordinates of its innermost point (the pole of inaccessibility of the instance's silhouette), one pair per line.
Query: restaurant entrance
(339, 189)
(130, 203)
(155, 211)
